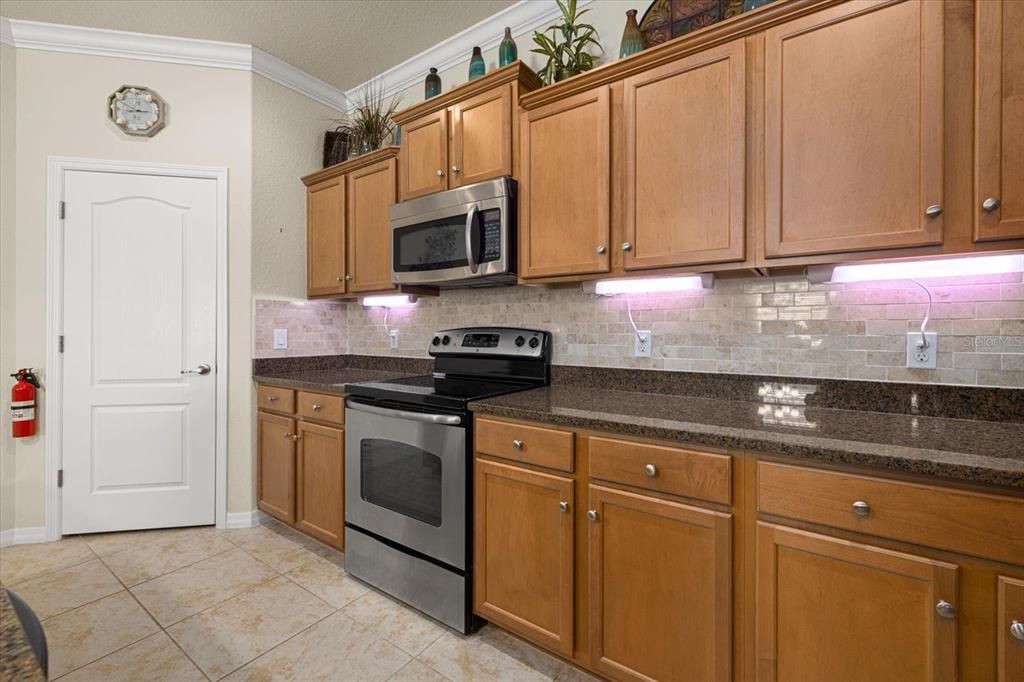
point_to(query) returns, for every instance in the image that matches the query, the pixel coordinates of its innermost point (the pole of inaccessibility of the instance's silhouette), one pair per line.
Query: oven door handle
(444, 419)
(470, 220)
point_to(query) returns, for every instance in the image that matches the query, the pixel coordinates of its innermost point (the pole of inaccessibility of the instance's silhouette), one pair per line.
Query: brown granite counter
(323, 380)
(17, 660)
(330, 373)
(982, 452)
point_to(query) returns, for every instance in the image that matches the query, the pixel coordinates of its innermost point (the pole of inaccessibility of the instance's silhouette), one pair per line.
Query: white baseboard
(245, 519)
(22, 536)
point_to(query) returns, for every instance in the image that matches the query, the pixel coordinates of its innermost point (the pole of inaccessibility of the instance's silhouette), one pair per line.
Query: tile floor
(263, 603)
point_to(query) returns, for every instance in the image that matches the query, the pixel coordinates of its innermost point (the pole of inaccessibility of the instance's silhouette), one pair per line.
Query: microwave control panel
(491, 246)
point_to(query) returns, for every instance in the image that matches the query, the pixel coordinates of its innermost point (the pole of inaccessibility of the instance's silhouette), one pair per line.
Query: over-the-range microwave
(458, 238)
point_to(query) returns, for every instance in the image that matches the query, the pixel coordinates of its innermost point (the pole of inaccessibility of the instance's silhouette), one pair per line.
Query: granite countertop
(983, 452)
(17, 660)
(324, 380)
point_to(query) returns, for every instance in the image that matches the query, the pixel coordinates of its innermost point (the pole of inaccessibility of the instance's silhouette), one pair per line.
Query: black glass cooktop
(427, 389)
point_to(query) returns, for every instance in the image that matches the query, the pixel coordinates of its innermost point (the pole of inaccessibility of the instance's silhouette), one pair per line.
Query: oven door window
(402, 478)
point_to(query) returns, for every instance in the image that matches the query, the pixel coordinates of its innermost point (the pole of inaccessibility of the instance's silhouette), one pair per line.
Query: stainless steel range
(408, 466)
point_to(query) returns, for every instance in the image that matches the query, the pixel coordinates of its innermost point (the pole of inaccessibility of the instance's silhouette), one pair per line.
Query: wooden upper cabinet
(685, 161)
(854, 128)
(320, 503)
(424, 155)
(275, 492)
(999, 120)
(1010, 646)
(832, 609)
(325, 237)
(523, 552)
(564, 221)
(481, 140)
(371, 191)
(660, 586)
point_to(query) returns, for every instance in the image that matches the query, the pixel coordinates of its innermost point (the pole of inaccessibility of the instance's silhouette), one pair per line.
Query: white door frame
(56, 167)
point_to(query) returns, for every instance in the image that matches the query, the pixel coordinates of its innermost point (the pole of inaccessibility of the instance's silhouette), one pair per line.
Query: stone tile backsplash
(314, 327)
(767, 325)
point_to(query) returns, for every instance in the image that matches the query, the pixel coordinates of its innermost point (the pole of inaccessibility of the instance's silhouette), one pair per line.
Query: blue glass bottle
(477, 67)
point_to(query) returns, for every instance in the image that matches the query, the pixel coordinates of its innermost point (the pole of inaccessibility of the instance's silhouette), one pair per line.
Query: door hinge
(60, 478)
(60, 343)
(63, 210)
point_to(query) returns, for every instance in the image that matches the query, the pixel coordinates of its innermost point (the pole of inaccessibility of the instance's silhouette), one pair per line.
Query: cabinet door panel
(424, 155)
(276, 466)
(1010, 648)
(999, 117)
(482, 137)
(685, 160)
(371, 191)
(325, 237)
(832, 609)
(660, 589)
(321, 483)
(524, 552)
(566, 172)
(854, 128)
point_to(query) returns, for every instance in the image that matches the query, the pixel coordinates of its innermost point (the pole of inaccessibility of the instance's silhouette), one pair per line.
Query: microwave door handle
(470, 220)
(444, 419)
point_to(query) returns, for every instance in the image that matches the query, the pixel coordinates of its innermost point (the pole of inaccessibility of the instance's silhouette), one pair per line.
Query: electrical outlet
(642, 344)
(919, 356)
(280, 339)
(393, 339)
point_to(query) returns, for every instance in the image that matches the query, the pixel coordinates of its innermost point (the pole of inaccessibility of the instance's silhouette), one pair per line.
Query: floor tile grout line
(162, 574)
(222, 601)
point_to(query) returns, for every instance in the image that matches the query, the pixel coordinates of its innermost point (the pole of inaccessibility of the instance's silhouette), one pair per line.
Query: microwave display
(441, 244)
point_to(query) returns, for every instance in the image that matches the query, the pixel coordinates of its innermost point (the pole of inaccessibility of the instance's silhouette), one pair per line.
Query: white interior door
(140, 294)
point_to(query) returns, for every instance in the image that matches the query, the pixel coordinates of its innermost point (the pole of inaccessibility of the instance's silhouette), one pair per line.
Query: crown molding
(522, 17)
(35, 35)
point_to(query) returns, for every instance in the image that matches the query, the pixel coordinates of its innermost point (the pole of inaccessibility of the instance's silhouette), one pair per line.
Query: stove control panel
(491, 341)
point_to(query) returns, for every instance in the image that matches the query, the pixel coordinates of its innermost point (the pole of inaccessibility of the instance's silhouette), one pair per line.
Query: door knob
(592, 515)
(990, 204)
(626, 246)
(933, 211)
(651, 470)
(945, 609)
(201, 369)
(861, 508)
(1017, 629)
(440, 173)
(563, 506)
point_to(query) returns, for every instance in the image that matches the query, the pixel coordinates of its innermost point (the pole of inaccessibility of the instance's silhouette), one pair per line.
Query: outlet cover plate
(280, 339)
(922, 358)
(642, 343)
(393, 339)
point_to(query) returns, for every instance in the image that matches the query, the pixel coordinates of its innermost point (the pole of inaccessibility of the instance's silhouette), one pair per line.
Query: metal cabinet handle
(592, 515)
(945, 609)
(990, 204)
(861, 508)
(933, 211)
(601, 249)
(626, 246)
(563, 506)
(517, 444)
(650, 470)
(440, 173)
(455, 169)
(201, 369)
(1017, 629)
(316, 408)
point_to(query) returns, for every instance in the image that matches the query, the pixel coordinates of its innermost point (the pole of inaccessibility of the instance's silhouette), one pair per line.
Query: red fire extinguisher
(23, 403)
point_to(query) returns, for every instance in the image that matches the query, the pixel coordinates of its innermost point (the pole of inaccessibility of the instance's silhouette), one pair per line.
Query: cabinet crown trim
(516, 71)
(350, 165)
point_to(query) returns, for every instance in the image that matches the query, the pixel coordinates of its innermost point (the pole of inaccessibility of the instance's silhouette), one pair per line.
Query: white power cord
(629, 311)
(387, 332)
(927, 315)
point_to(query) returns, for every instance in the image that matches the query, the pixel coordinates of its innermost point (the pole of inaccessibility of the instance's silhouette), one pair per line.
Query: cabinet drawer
(322, 407)
(275, 398)
(700, 475)
(984, 525)
(531, 444)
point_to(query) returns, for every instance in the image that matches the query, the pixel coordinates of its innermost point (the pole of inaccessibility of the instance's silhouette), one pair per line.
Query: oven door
(405, 478)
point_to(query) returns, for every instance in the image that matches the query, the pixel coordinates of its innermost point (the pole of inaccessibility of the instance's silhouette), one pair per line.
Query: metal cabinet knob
(517, 444)
(348, 278)
(455, 169)
(287, 435)
(592, 515)
(861, 508)
(945, 609)
(933, 211)
(1017, 629)
(271, 398)
(990, 204)
(316, 408)
(626, 246)
(338, 278)
(297, 437)
(563, 506)
(651, 470)
(601, 249)
(440, 173)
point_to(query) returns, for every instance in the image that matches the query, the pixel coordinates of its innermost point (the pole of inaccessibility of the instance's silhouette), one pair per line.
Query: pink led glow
(388, 301)
(922, 269)
(650, 285)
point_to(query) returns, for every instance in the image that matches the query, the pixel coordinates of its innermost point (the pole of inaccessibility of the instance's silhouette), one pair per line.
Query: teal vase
(432, 85)
(632, 41)
(477, 67)
(507, 51)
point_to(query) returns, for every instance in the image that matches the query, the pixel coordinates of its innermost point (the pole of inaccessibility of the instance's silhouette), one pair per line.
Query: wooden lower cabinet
(832, 609)
(660, 588)
(320, 509)
(1010, 629)
(523, 552)
(276, 481)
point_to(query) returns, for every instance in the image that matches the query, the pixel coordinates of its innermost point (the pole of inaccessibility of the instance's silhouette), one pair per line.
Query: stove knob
(435, 341)
(446, 340)
(520, 341)
(534, 342)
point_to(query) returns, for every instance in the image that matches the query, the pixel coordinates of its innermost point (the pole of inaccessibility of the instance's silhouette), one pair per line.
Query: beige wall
(61, 101)
(287, 130)
(7, 249)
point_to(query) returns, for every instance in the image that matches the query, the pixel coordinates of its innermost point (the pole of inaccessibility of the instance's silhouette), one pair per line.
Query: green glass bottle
(507, 51)
(432, 85)
(632, 41)
(477, 67)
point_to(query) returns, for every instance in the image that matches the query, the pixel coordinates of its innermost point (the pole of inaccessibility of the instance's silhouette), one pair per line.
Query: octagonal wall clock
(137, 110)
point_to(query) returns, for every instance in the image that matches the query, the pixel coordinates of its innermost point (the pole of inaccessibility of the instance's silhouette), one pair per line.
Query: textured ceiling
(342, 42)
